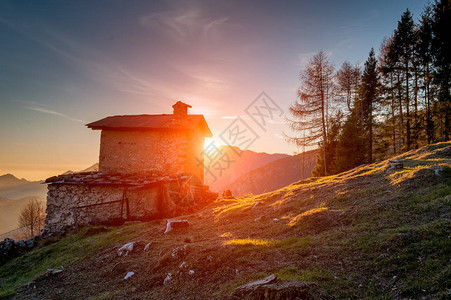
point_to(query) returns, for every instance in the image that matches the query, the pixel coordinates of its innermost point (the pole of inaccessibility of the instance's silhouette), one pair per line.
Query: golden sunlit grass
(234, 205)
(295, 220)
(253, 242)
(226, 235)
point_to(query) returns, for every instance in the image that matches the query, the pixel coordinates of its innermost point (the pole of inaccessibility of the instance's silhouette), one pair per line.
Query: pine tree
(425, 55)
(403, 43)
(369, 93)
(441, 44)
(350, 147)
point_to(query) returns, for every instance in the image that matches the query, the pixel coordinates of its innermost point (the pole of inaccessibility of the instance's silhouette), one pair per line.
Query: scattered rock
(272, 288)
(256, 203)
(168, 278)
(9, 243)
(183, 265)
(191, 272)
(147, 247)
(437, 170)
(126, 249)
(396, 164)
(227, 194)
(175, 224)
(275, 219)
(21, 244)
(258, 219)
(210, 258)
(54, 271)
(179, 252)
(30, 242)
(129, 274)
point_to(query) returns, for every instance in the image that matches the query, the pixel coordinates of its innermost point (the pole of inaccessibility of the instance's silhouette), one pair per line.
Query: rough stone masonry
(150, 166)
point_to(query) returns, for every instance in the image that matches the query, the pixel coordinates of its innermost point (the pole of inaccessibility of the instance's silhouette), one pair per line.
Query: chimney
(180, 110)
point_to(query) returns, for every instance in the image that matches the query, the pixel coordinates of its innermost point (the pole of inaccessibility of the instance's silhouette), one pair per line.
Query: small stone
(179, 251)
(129, 274)
(53, 271)
(168, 278)
(147, 247)
(210, 258)
(191, 272)
(183, 265)
(126, 249)
(256, 203)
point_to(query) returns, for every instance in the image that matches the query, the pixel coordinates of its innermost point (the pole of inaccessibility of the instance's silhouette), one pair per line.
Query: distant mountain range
(274, 175)
(14, 188)
(15, 193)
(242, 162)
(254, 172)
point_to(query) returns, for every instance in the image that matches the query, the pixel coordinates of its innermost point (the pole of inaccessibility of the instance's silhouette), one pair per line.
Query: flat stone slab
(272, 288)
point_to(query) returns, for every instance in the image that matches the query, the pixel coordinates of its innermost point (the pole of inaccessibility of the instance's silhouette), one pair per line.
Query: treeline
(399, 100)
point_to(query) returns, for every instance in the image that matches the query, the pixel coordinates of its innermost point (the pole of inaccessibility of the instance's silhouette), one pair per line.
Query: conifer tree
(310, 110)
(369, 93)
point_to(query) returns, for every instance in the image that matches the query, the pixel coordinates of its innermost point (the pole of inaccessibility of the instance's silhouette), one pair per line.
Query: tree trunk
(408, 137)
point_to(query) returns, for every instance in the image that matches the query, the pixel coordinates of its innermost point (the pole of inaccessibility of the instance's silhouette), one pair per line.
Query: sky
(64, 64)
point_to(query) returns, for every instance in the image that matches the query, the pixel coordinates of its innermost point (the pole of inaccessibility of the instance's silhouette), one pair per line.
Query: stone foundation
(70, 204)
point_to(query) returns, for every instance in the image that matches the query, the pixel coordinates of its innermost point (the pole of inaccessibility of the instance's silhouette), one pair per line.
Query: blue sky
(66, 63)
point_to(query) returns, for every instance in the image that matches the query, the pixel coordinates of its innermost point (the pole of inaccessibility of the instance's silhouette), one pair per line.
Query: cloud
(52, 112)
(182, 23)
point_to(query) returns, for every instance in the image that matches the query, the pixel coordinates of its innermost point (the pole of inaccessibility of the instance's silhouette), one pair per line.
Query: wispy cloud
(181, 23)
(52, 112)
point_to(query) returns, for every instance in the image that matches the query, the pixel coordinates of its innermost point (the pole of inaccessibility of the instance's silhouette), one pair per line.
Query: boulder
(172, 225)
(21, 244)
(227, 194)
(30, 242)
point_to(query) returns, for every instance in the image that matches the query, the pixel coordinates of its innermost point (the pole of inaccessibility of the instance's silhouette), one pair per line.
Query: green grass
(295, 274)
(68, 251)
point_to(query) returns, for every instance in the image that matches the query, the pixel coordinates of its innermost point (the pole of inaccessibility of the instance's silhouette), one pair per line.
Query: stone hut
(150, 166)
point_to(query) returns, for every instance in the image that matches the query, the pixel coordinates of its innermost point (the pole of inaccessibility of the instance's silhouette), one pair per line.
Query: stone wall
(166, 152)
(63, 198)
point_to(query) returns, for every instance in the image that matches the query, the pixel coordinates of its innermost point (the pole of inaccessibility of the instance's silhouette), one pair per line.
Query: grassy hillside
(372, 232)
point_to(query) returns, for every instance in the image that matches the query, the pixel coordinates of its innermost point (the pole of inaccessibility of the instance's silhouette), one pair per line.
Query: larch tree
(348, 81)
(310, 111)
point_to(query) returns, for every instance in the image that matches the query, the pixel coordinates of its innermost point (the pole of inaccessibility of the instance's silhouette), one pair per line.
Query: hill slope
(261, 180)
(372, 232)
(243, 163)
